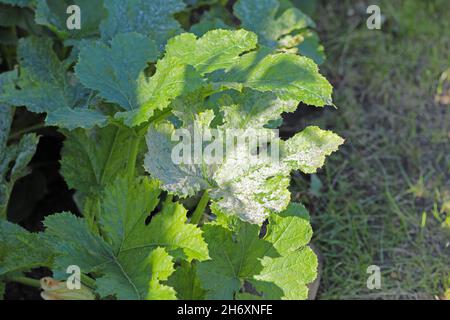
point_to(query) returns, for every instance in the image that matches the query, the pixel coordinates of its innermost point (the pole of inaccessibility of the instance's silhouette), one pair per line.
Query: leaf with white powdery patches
(253, 109)
(307, 150)
(185, 179)
(246, 184)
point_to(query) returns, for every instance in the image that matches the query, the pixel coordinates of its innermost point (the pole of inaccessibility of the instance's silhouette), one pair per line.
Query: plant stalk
(201, 206)
(131, 165)
(88, 281)
(26, 281)
(19, 133)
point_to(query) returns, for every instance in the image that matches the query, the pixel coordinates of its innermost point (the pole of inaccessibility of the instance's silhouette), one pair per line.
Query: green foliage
(117, 89)
(290, 76)
(45, 85)
(278, 266)
(91, 159)
(264, 18)
(131, 257)
(13, 158)
(186, 283)
(19, 3)
(280, 24)
(21, 250)
(151, 18)
(125, 65)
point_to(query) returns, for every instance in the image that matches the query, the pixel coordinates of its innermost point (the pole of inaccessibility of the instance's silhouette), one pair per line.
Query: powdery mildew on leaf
(307, 150)
(248, 185)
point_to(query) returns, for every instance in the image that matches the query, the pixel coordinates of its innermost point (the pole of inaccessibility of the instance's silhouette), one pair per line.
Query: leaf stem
(18, 133)
(201, 206)
(168, 199)
(26, 281)
(131, 165)
(88, 281)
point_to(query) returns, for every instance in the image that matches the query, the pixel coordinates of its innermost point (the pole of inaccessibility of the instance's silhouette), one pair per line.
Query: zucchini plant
(119, 89)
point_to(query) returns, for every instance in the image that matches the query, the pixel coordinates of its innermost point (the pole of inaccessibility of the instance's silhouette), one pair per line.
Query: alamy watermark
(374, 280)
(73, 282)
(374, 20)
(73, 21)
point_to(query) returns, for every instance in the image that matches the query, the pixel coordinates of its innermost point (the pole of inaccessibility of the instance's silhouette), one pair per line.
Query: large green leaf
(180, 71)
(217, 49)
(270, 84)
(45, 86)
(173, 78)
(152, 18)
(131, 257)
(115, 71)
(91, 159)
(279, 266)
(21, 250)
(123, 210)
(289, 76)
